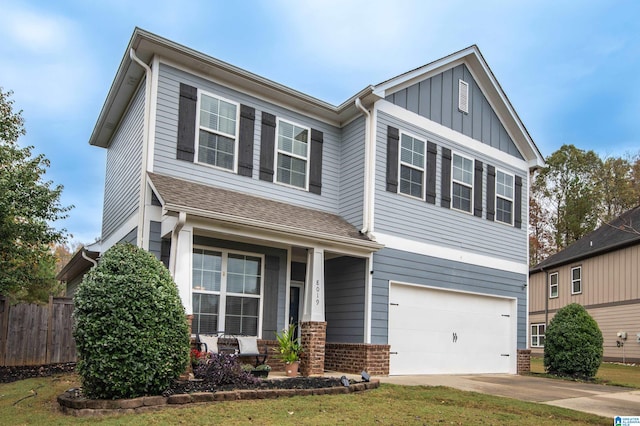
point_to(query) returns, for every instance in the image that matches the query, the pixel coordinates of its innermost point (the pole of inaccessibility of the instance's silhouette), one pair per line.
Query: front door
(295, 304)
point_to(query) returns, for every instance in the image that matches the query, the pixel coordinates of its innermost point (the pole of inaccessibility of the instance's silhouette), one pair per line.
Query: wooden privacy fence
(37, 334)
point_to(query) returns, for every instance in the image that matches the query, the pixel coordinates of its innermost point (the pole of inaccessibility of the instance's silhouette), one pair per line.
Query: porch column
(181, 252)
(313, 328)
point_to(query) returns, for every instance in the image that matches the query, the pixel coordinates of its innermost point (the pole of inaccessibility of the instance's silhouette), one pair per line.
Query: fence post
(4, 330)
(50, 330)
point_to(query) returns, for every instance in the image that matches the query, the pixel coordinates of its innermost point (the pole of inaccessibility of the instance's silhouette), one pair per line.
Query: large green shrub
(130, 326)
(573, 343)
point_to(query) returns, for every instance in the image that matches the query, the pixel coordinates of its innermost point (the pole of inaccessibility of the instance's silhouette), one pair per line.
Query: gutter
(367, 210)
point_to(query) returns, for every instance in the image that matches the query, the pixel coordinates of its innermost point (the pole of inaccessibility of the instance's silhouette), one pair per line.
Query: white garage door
(433, 331)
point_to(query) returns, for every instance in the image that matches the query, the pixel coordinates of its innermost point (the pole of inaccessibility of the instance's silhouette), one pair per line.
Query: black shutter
(432, 152)
(267, 146)
(315, 165)
(187, 122)
(445, 196)
(518, 203)
(491, 192)
(245, 140)
(477, 189)
(393, 136)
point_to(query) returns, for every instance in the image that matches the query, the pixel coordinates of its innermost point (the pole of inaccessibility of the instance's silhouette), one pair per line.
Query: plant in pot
(289, 349)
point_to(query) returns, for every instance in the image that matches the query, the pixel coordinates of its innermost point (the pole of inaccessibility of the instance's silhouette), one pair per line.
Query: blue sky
(571, 69)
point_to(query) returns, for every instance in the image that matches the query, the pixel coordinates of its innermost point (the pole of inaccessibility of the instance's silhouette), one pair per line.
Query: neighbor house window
(293, 154)
(217, 132)
(226, 292)
(537, 335)
(576, 280)
(504, 197)
(553, 285)
(411, 165)
(462, 187)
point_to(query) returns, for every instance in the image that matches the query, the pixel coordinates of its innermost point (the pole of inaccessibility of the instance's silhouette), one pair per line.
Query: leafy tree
(28, 205)
(618, 192)
(540, 234)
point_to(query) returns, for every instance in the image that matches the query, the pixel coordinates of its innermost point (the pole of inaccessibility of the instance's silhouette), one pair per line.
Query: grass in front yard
(608, 373)
(390, 404)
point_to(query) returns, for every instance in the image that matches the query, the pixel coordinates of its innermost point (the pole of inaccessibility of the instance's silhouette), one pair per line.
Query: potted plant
(289, 349)
(261, 370)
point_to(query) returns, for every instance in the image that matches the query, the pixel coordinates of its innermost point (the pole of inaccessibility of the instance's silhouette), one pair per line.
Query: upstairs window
(292, 154)
(412, 156)
(504, 197)
(537, 335)
(462, 179)
(553, 285)
(217, 132)
(576, 280)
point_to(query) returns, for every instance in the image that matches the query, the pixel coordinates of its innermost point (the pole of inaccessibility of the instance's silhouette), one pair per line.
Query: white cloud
(36, 32)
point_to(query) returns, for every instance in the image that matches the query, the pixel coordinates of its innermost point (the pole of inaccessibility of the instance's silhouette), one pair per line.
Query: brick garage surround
(356, 357)
(313, 335)
(524, 361)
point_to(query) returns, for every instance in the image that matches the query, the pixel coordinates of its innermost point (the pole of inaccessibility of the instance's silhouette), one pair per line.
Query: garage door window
(537, 335)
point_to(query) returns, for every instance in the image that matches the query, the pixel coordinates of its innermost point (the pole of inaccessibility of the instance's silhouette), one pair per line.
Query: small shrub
(224, 369)
(573, 343)
(130, 327)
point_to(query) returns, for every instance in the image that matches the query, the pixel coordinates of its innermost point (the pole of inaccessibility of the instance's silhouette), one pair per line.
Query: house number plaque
(317, 292)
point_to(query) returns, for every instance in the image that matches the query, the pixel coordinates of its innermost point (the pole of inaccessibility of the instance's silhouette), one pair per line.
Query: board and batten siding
(404, 267)
(403, 216)
(123, 168)
(344, 299)
(352, 172)
(165, 161)
(436, 98)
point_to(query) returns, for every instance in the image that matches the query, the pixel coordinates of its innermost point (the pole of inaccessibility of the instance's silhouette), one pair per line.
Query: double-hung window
(412, 159)
(576, 280)
(504, 197)
(537, 335)
(292, 154)
(226, 292)
(217, 132)
(462, 183)
(553, 285)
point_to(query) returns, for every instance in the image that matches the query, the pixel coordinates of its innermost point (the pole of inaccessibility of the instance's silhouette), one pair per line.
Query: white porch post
(183, 243)
(314, 287)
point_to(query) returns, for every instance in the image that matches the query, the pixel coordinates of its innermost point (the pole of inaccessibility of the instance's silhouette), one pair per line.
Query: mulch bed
(12, 374)
(288, 383)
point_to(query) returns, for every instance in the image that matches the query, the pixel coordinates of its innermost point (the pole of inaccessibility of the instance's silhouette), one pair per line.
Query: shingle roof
(218, 203)
(621, 232)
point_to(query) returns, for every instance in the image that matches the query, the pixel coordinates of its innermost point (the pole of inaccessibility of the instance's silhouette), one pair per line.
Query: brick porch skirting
(356, 357)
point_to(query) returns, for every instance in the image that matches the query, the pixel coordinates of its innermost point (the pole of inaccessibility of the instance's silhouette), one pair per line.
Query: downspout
(142, 237)
(546, 299)
(83, 252)
(368, 142)
(182, 218)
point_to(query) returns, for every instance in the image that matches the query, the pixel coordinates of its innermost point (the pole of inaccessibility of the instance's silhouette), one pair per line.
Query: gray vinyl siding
(436, 98)
(124, 165)
(344, 299)
(415, 219)
(155, 240)
(165, 161)
(395, 265)
(274, 292)
(352, 167)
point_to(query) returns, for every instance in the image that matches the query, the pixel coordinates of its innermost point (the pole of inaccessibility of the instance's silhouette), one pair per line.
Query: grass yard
(608, 373)
(389, 404)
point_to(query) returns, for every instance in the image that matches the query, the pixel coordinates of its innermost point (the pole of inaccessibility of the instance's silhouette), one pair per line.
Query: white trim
(557, 285)
(462, 183)
(452, 254)
(307, 160)
(119, 233)
(452, 290)
(155, 77)
(368, 297)
(572, 280)
(537, 325)
(235, 137)
(512, 199)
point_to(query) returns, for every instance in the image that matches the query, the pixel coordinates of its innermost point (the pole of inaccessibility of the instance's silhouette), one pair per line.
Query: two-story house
(600, 271)
(392, 227)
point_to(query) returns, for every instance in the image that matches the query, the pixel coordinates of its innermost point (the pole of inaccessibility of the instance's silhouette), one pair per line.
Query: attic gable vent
(463, 96)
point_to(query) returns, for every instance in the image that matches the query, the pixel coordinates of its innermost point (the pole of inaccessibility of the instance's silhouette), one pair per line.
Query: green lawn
(608, 373)
(389, 404)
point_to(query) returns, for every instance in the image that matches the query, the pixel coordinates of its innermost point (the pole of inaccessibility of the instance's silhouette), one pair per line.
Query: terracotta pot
(292, 368)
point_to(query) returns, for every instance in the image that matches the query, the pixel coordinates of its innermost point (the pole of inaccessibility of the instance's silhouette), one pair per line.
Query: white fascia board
(450, 134)
(452, 254)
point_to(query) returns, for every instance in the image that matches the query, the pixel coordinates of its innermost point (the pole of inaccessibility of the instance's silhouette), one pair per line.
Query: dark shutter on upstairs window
(477, 189)
(315, 165)
(267, 146)
(491, 192)
(187, 122)
(445, 196)
(393, 136)
(432, 153)
(517, 195)
(245, 140)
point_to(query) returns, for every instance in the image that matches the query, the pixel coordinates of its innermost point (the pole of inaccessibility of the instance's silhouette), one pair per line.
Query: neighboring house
(392, 228)
(601, 272)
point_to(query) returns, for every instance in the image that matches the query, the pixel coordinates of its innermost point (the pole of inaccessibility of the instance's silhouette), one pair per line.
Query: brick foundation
(356, 357)
(524, 361)
(313, 336)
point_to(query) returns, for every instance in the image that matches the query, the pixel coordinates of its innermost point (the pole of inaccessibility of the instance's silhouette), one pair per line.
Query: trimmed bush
(130, 327)
(573, 343)
(224, 369)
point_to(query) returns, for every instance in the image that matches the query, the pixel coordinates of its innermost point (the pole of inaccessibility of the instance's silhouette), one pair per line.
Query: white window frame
(223, 293)
(455, 181)
(235, 137)
(307, 159)
(512, 199)
(556, 285)
(574, 281)
(412, 166)
(537, 334)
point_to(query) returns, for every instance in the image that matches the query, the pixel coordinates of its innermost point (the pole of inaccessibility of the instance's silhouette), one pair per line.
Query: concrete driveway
(607, 401)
